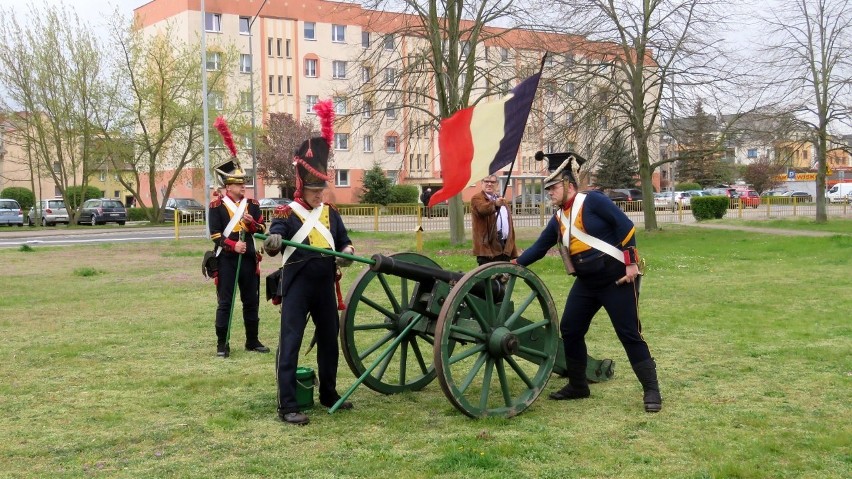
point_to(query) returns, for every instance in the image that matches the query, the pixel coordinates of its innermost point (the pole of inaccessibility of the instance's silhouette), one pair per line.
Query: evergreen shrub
(22, 195)
(709, 207)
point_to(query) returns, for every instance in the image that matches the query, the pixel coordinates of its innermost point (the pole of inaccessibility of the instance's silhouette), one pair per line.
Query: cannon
(492, 332)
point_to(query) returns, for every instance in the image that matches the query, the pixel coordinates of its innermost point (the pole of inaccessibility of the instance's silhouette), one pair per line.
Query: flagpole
(512, 166)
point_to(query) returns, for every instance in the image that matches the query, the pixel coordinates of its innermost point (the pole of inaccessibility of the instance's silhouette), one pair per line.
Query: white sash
(238, 210)
(584, 237)
(310, 221)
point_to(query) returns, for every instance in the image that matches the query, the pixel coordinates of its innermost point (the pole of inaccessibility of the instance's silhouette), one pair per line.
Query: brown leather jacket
(485, 239)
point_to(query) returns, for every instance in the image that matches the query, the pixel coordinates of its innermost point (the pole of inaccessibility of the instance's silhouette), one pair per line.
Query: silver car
(50, 212)
(10, 212)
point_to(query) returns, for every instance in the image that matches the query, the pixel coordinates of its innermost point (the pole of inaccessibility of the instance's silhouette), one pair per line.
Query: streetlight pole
(251, 94)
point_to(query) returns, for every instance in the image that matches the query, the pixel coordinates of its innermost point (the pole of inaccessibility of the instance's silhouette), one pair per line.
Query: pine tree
(618, 168)
(377, 186)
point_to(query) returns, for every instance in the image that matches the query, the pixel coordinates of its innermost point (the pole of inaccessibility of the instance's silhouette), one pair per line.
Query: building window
(245, 63)
(368, 144)
(390, 111)
(339, 105)
(102, 176)
(310, 31)
(338, 33)
(551, 147)
(278, 47)
(56, 168)
(269, 46)
(390, 75)
(569, 88)
(504, 54)
(341, 141)
(391, 144)
(280, 84)
(752, 152)
(216, 100)
(287, 47)
(244, 25)
(310, 68)
(366, 74)
(310, 101)
(289, 85)
(365, 39)
(341, 177)
(604, 122)
(551, 117)
(213, 22)
(570, 120)
(388, 43)
(368, 109)
(245, 101)
(338, 69)
(271, 79)
(214, 61)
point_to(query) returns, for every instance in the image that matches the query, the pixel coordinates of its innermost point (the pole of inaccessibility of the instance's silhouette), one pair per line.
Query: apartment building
(299, 53)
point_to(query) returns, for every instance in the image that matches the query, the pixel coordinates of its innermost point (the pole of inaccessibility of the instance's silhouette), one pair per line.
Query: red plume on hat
(221, 125)
(325, 112)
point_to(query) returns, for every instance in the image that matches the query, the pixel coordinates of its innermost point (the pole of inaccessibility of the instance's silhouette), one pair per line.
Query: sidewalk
(772, 231)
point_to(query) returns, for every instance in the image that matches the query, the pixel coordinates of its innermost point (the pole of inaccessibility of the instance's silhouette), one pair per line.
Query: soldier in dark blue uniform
(233, 215)
(308, 280)
(598, 245)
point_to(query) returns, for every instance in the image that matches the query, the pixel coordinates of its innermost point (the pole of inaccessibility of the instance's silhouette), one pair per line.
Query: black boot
(252, 343)
(223, 349)
(646, 372)
(578, 385)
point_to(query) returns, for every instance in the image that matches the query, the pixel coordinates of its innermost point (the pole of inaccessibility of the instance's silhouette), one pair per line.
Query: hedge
(23, 196)
(709, 207)
(74, 194)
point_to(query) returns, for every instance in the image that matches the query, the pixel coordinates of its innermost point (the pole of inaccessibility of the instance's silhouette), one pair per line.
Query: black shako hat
(312, 163)
(560, 166)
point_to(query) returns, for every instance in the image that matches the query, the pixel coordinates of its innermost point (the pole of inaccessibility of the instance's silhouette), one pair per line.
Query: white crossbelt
(238, 212)
(584, 237)
(310, 221)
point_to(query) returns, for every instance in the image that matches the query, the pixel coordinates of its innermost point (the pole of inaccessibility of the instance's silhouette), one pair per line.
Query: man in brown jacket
(493, 232)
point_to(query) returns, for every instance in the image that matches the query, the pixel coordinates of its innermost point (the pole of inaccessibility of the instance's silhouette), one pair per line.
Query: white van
(839, 193)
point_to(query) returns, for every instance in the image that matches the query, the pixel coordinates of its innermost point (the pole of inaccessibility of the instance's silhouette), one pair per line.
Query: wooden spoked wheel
(377, 311)
(496, 341)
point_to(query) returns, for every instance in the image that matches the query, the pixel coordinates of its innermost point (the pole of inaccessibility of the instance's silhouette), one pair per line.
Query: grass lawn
(108, 369)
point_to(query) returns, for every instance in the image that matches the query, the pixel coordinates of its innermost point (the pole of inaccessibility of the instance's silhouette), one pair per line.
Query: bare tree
(811, 61)
(157, 106)
(640, 49)
(445, 68)
(51, 72)
(283, 136)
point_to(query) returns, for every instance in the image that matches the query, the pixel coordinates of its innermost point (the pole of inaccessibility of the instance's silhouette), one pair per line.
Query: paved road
(62, 236)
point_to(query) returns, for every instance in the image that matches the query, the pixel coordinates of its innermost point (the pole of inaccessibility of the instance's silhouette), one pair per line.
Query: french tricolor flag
(481, 139)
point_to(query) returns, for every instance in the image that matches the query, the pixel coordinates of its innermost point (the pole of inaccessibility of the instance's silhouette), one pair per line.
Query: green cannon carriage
(492, 332)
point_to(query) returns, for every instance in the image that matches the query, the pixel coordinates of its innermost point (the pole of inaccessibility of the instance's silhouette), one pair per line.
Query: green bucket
(305, 380)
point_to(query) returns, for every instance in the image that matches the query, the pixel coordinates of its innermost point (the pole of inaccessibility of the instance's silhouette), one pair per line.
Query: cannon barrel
(416, 272)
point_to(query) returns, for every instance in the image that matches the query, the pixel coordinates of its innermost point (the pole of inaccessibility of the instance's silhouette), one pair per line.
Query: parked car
(683, 199)
(729, 192)
(664, 201)
(773, 193)
(529, 199)
(624, 194)
(188, 210)
(750, 198)
(101, 211)
(272, 203)
(50, 211)
(799, 196)
(10, 212)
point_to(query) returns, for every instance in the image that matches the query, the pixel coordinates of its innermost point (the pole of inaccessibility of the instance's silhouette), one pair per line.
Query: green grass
(114, 375)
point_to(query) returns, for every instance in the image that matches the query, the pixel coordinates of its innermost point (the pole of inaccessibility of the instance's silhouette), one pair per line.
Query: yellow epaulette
(282, 212)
